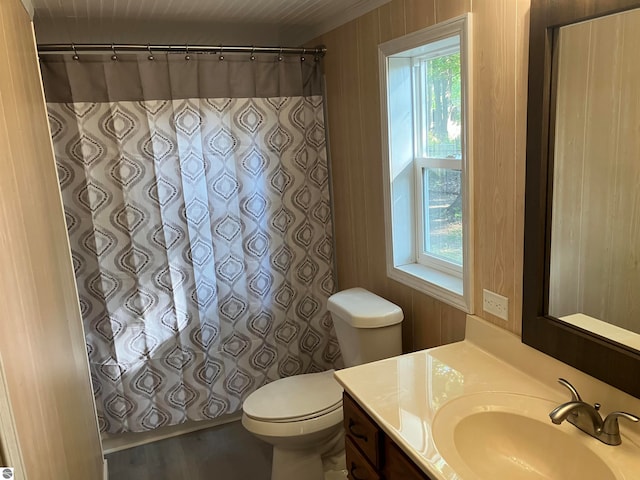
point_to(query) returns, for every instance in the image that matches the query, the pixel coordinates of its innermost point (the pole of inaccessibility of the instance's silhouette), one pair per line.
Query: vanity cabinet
(371, 454)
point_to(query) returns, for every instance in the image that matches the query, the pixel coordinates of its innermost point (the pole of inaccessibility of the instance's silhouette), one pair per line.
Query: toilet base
(310, 464)
(335, 466)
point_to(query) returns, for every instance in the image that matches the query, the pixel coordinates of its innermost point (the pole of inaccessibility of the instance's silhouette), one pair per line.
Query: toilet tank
(368, 327)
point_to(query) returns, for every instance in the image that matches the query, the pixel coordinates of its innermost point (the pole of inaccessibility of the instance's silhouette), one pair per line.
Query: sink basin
(509, 436)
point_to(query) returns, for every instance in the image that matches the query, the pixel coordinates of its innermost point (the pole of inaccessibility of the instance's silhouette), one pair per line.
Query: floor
(227, 452)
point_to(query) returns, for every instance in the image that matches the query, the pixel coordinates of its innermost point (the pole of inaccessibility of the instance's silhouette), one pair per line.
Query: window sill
(442, 286)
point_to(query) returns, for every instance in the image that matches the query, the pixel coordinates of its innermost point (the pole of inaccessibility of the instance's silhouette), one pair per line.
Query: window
(426, 130)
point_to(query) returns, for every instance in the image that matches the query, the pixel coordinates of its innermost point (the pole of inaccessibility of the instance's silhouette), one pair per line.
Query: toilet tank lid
(362, 309)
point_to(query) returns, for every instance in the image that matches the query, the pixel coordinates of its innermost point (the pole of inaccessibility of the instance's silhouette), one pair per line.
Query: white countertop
(403, 394)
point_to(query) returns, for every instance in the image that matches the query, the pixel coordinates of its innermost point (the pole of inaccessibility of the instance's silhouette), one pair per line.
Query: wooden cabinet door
(362, 431)
(397, 466)
(358, 466)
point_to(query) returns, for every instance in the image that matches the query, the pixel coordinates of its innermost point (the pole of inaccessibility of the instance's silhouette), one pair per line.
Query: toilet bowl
(301, 416)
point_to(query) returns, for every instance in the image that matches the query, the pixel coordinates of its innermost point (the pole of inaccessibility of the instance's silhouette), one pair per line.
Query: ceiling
(212, 22)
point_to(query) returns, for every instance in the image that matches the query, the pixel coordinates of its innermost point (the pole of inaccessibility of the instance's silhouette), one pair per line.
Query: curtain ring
(221, 57)
(114, 57)
(150, 57)
(252, 57)
(187, 56)
(75, 53)
(280, 55)
(304, 50)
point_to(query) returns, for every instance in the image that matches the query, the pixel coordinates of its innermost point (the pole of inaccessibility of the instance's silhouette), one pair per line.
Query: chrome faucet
(587, 418)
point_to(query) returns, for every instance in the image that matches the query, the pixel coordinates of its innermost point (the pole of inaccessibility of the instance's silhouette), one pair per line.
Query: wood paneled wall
(46, 374)
(500, 47)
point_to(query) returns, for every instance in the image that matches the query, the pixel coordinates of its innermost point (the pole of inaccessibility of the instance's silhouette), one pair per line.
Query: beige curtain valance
(133, 77)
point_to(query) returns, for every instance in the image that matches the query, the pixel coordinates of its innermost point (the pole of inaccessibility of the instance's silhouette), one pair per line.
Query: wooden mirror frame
(600, 357)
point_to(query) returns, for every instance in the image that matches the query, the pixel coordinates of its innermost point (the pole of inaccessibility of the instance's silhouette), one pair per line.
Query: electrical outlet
(495, 304)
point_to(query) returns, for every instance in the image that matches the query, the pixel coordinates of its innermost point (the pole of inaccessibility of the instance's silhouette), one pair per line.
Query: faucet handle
(575, 396)
(611, 426)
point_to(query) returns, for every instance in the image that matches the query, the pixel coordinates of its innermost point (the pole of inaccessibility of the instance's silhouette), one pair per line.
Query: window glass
(442, 197)
(442, 126)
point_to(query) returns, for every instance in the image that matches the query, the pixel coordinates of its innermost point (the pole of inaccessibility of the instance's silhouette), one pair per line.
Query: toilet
(301, 416)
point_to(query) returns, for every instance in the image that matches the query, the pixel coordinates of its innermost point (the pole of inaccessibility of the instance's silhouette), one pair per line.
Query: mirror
(581, 301)
(594, 269)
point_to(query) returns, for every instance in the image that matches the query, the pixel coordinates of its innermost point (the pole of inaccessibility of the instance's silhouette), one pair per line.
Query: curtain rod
(53, 48)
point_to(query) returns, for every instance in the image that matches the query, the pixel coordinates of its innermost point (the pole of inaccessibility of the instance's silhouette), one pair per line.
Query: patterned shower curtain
(196, 194)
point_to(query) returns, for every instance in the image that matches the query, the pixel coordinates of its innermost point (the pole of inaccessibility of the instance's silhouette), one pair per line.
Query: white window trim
(447, 287)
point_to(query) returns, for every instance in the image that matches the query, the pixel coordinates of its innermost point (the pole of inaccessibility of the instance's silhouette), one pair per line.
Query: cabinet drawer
(362, 431)
(398, 466)
(358, 466)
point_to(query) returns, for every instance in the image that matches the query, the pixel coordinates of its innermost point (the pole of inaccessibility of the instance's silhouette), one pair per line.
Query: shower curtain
(196, 196)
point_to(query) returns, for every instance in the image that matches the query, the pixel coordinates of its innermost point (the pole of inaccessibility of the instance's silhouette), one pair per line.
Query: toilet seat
(294, 429)
(293, 406)
(296, 398)
(300, 418)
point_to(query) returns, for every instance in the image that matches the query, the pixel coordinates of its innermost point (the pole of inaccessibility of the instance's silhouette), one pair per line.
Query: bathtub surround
(197, 206)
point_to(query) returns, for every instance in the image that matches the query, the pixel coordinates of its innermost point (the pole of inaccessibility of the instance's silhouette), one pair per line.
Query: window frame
(444, 280)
